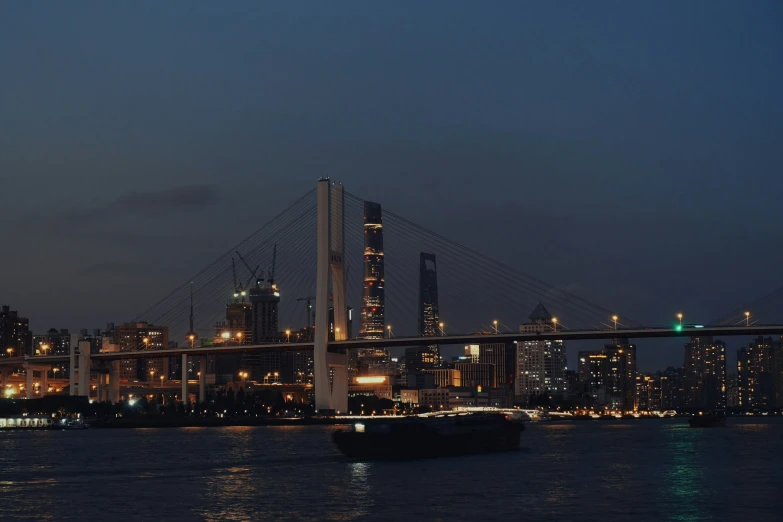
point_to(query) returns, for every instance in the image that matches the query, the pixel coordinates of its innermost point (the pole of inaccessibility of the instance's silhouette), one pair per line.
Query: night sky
(631, 152)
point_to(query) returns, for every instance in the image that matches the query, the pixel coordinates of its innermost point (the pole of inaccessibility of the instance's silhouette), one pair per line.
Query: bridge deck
(341, 346)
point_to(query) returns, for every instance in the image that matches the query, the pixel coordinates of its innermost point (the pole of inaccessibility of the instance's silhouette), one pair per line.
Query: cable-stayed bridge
(316, 250)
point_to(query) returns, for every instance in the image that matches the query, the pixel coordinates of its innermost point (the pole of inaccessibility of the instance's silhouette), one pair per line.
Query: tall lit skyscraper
(705, 373)
(428, 296)
(372, 296)
(540, 365)
(426, 357)
(758, 373)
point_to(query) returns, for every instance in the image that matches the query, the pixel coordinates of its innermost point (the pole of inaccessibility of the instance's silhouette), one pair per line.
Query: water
(603, 471)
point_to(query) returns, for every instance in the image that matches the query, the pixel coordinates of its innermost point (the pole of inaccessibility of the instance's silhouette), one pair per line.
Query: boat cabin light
(358, 427)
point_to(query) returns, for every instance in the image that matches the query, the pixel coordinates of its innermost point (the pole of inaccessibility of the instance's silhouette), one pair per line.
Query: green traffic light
(678, 328)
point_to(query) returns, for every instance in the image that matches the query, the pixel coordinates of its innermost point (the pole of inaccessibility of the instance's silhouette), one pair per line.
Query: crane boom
(234, 272)
(272, 272)
(252, 272)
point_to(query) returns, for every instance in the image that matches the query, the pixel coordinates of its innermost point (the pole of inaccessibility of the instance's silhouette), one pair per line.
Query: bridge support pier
(202, 379)
(185, 379)
(84, 369)
(44, 381)
(29, 383)
(329, 261)
(114, 382)
(72, 362)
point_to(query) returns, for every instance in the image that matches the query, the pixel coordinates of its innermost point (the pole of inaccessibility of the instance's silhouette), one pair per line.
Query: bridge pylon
(331, 371)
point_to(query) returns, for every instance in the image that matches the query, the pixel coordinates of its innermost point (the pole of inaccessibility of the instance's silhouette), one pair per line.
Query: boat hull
(423, 441)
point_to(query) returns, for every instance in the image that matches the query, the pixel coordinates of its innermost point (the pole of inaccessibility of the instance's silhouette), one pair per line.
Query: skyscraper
(426, 357)
(373, 322)
(758, 373)
(705, 373)
(15, 335)
(264, 300)
(428, 296)
(620, 376)
(609, 375)
(540, 365)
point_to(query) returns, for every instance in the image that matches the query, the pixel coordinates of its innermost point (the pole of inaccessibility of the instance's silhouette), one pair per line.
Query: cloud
(168, 200)
(148, 203)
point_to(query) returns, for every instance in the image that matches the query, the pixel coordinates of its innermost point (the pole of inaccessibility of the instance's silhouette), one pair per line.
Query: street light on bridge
(442, 326)
(679, 316)
(614, 318)
(554, 324)
(288, 335)
(389, 329)
(495, 322)
(747, 318)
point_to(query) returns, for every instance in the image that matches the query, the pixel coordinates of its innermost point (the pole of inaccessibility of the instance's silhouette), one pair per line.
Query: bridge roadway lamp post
(747, 318)
(679, 316)
(614, 318)
(495, 322)
(554, 324)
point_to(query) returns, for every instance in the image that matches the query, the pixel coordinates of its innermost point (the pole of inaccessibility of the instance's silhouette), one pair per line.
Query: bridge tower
(331, 375)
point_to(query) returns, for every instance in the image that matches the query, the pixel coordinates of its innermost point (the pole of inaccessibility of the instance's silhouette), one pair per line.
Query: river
(588, 471)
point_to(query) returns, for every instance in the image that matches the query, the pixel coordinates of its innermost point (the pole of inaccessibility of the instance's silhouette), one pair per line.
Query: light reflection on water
(603, 470)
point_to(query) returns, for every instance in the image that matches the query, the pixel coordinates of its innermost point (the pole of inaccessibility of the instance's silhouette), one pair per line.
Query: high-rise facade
(609, 375)
(297, 367)
(264, 301)
(15, 335)
(236, 329)
(373, 322)
(705, 373)
(540, 365)
(759, 374)
(54, 342)
(620, 374)
(426, 357)
(142, 336)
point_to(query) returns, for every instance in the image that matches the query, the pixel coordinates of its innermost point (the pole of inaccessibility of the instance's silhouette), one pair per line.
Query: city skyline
(113, 198)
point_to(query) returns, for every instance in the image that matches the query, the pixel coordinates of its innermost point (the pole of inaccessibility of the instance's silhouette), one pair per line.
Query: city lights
(380, 379)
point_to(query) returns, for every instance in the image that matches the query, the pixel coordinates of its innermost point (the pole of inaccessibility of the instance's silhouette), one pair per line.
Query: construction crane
(271, 273)
(253, 273)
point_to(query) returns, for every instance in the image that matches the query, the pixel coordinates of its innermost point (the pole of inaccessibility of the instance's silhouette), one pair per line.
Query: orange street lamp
(747, 318)
(614, 318)
(554, 324)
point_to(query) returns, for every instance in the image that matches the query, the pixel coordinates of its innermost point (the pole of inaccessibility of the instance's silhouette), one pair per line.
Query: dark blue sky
(630, 151)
